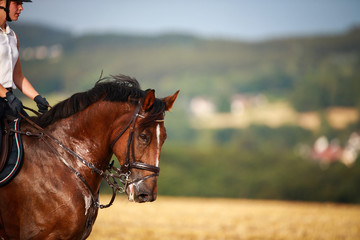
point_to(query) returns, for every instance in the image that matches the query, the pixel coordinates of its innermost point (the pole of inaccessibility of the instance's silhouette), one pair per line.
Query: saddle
(6, 144)
(12, 153)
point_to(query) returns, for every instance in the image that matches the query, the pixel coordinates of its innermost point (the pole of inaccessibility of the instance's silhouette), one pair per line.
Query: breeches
(2, 112)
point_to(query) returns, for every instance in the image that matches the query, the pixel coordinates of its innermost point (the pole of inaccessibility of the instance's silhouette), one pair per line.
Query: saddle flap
(14, 159)
(5, 145)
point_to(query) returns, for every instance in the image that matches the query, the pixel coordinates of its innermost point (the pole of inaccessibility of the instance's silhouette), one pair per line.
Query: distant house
(240, 102)
(351, 150)
(325, 152)
(41, 52)
(201, 106)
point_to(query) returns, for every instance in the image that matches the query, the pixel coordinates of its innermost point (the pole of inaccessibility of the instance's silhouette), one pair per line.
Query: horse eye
(144, 137)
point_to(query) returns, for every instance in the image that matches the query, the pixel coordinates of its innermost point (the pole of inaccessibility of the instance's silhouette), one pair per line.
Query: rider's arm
(22, 82)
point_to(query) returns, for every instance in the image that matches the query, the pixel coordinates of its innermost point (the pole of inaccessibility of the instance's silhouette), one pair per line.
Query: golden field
(194, 218)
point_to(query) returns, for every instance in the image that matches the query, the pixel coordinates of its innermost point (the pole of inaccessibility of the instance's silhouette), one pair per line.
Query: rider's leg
(2, 110)
(1, 129)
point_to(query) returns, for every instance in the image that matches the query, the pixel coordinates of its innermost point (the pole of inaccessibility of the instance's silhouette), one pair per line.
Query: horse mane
(119, 88)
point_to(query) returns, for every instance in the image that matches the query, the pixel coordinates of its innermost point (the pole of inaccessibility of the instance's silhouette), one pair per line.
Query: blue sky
(237, 19)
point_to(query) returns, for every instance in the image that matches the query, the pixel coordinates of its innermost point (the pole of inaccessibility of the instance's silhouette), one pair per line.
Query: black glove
(14, 103)
(41, 103)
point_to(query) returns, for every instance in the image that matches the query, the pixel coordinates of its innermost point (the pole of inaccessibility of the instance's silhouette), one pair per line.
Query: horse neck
(88, 132)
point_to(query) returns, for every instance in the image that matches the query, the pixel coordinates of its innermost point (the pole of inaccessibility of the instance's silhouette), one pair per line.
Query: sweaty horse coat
(47, 200)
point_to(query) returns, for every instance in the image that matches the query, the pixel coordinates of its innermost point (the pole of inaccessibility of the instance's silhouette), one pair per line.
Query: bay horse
(67, 152)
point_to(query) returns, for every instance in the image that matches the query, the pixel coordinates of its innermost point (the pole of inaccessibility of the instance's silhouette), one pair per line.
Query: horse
(68, 150)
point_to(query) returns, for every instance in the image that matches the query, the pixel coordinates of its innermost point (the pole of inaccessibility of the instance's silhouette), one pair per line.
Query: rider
(11, 75)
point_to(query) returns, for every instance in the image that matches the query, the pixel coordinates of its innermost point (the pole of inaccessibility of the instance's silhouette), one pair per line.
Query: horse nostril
(144, 197)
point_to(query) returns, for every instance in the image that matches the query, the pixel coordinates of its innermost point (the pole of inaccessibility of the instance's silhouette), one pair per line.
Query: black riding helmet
(6, 9)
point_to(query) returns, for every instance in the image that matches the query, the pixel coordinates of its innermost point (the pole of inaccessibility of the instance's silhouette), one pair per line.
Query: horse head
(139, 149)
(115, 116)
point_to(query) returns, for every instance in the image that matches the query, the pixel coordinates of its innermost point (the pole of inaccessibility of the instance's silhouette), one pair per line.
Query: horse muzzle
(142, 188)
(139, 192)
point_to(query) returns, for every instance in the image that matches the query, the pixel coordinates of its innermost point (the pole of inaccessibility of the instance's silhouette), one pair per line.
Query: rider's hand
(14, 103)
(41, 103)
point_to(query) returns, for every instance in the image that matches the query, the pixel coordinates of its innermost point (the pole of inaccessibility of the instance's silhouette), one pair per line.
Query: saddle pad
(15, 157)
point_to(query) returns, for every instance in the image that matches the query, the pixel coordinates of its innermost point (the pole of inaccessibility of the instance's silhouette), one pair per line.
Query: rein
(111, 174)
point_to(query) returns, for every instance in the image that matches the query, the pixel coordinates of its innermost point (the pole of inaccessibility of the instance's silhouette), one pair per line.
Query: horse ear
(169, 101)
(149, 100)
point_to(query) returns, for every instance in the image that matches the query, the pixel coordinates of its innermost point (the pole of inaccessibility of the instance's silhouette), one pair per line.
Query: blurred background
(269, 102)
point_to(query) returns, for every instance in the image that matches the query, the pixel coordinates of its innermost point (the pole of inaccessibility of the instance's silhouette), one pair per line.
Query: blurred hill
(312, 72)
(33, 35)
(257, 161)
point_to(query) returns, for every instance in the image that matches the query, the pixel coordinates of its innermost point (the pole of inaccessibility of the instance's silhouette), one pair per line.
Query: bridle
(112, 174)
(130, 162)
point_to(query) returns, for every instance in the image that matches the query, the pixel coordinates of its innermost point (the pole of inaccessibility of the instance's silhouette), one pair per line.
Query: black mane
(118, 88)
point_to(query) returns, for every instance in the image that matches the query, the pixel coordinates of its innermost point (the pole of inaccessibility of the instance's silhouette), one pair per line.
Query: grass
(193, 218)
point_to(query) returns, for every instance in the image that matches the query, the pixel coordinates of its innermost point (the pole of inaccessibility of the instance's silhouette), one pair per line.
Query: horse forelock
(119, 88)
(156, 112)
